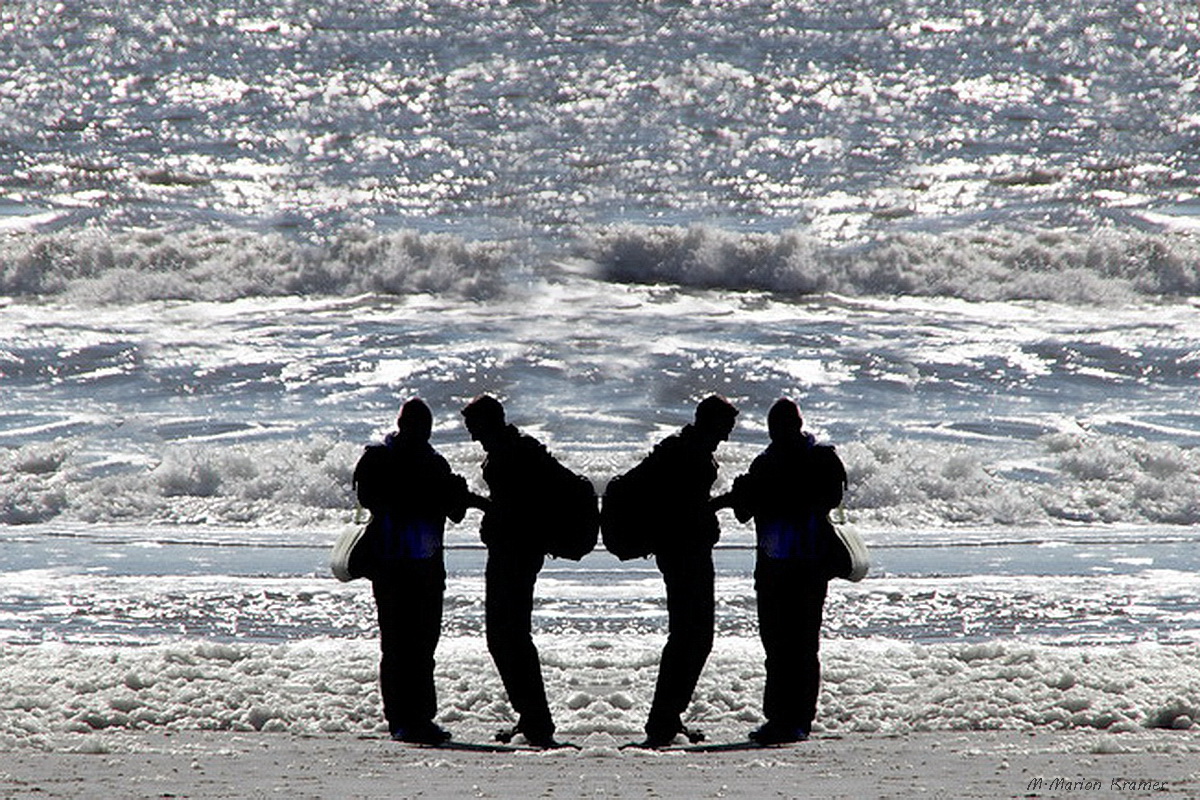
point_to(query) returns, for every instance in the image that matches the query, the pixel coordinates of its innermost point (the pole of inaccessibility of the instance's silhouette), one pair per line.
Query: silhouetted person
(789, 490)
(516, 470)
(410, 491)
(682, 471)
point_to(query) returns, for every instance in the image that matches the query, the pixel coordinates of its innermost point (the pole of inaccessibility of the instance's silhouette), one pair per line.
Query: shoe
(543, 741)
(655, 742)
(775, 733)
(657, 739)
(663, 736)
(422, 733)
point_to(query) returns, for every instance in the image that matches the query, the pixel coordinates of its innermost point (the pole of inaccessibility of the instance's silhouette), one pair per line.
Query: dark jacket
(789, 491)
(520, 473)
(678, 475)
(411, 492)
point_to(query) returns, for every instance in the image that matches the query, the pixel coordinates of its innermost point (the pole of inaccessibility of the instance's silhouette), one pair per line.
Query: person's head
(784, 421)
(714, 418)
(415, 420)
(484, 418)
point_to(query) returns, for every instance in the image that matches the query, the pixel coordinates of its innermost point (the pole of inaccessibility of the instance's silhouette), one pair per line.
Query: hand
(721, 501)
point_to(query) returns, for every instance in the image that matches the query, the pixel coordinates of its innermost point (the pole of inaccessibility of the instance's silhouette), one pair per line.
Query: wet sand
(936, 765)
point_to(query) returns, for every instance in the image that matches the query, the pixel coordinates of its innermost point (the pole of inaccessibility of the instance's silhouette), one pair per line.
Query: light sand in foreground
(935, 765)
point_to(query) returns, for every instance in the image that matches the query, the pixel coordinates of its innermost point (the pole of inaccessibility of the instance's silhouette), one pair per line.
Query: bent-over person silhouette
(518, 471)
(680, 472)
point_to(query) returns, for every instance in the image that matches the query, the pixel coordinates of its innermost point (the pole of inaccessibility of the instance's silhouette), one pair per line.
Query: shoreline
(975, 764)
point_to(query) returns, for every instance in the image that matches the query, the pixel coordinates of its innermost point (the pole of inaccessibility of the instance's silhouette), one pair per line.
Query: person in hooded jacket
(789, 491)
(518, 471)
(681, 471)
(411, 492)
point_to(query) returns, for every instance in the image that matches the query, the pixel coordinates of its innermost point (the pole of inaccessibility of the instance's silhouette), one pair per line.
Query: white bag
(856, 548)
(343, 551)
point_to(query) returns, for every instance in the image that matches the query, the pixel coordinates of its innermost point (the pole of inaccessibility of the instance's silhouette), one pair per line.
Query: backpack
(626, 524)
(573, 523)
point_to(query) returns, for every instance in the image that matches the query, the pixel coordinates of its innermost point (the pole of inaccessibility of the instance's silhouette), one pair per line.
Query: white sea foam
(55, 694)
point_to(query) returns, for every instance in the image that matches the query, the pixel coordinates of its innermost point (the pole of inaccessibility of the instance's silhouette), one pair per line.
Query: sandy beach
(936, 765)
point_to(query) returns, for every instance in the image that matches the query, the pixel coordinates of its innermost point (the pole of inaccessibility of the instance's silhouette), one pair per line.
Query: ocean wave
(100, 268)
(92, 267)
(1071, 478)
(282, 484)
(1072, 267)
(1084, 478)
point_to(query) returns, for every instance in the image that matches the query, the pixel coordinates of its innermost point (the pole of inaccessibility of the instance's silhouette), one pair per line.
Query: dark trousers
(408, 600)
(508, 614)
(690, 611)
(791, 600)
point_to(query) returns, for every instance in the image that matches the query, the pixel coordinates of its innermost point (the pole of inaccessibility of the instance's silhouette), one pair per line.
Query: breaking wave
(98, 268)
(1107, 267)
(1069, 478)
(1074, 478)
(285, 484)
(101, 268)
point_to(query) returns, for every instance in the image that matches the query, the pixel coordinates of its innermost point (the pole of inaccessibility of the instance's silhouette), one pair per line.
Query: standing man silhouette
(516, 471)
(789, 491)
(681, 471)
(410, 491)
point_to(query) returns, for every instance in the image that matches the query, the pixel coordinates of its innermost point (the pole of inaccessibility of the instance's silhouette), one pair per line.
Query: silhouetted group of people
(788, 491)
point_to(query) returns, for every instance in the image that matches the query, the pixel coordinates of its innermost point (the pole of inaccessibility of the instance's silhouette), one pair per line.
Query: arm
(452, 488)
(743, 498)
(721, 501)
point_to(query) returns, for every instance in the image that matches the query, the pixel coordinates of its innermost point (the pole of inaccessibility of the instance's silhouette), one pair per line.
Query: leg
(810, 612)
(409, 605)
(790, 605)
(690, 616)
(508, 611)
